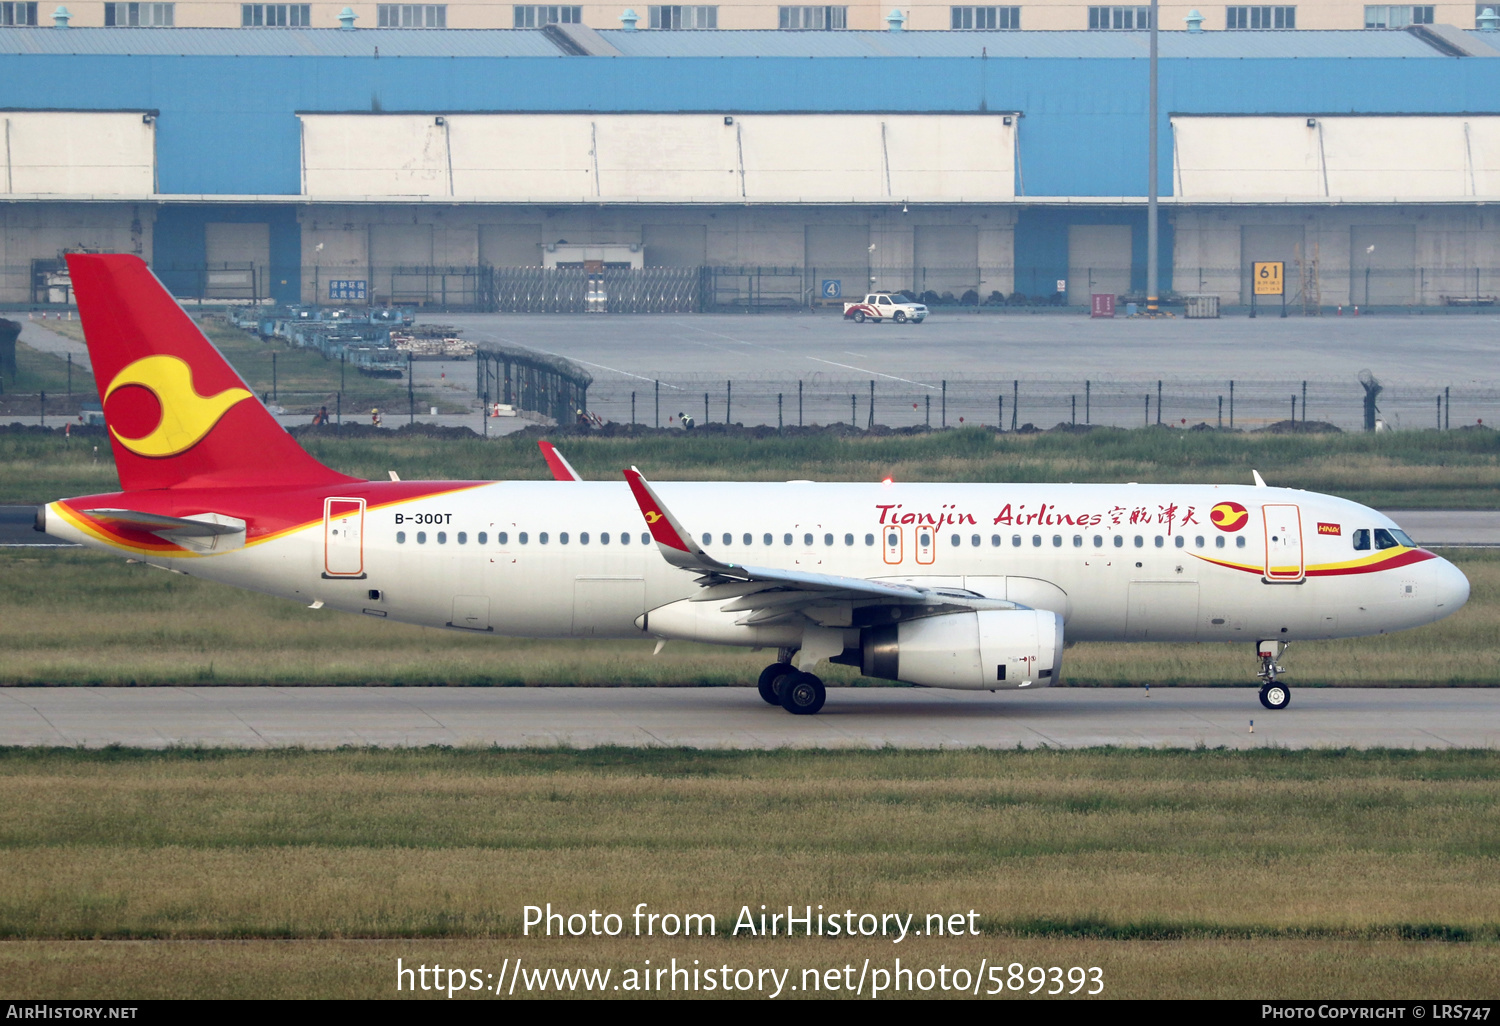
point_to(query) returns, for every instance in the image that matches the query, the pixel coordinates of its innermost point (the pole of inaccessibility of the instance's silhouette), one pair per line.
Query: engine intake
(985, 650)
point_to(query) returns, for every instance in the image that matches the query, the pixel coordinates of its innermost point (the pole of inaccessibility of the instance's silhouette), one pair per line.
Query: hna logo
(186, 416)
(652, 517)
(1228, 516)
(1333, 529)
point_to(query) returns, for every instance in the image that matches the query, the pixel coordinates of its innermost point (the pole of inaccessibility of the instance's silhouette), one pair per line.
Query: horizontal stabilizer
(211, 526)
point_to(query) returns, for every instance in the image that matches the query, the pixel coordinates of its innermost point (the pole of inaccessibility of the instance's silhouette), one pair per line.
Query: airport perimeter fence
(1008, 404)
(1012, 404)
(1390, 282)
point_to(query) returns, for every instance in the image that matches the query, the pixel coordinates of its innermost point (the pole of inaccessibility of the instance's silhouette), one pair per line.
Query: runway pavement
(736, 718)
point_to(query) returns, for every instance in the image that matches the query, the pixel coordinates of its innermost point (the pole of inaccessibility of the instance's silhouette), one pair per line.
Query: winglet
(562, 470)
(675, 542)
(1260, 482)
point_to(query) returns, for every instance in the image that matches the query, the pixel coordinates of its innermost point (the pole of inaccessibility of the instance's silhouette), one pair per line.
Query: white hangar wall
(79, 153)
(682, 158)
(1432, 157)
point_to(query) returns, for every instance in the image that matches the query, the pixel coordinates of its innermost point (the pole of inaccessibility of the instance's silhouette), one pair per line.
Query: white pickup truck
(886, 306)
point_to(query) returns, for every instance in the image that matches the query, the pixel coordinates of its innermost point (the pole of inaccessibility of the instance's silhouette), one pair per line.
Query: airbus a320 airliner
(969, 586)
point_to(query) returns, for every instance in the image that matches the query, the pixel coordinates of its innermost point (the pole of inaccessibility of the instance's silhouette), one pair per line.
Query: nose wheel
(1275, 696)
(1273, 693)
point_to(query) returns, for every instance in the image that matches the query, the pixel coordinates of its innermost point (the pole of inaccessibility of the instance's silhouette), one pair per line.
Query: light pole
(1151, 236)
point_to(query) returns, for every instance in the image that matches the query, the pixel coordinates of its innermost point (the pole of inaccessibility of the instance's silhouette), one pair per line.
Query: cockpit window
(1403, 538)
(1362, 540)
(1384, 539)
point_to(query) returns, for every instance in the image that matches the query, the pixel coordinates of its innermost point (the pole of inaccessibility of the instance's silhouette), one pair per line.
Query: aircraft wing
(561, 469)
(212, 526)
(768, 594)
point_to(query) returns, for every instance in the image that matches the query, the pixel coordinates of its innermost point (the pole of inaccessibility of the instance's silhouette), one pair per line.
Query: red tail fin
(177, 412)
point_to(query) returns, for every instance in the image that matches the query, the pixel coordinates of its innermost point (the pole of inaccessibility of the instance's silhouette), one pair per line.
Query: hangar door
(837, 252)
(1098, 261)
(675, 245)
(239, 256)
(947, 259)
(1383, 264)
(1263, 242)
(399, 246)
(510, 245)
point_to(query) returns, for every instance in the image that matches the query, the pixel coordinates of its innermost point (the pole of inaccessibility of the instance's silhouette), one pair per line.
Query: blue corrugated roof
(263, 42)
(756, 43)
(278, 42)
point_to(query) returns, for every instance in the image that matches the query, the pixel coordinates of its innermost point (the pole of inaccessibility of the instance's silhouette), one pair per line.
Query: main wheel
(771, 679)
(900, 317)
(802, 694)
(859, 317)
(1275, 696)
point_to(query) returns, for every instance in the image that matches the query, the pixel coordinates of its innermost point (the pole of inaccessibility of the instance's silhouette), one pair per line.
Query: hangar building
(495, 169)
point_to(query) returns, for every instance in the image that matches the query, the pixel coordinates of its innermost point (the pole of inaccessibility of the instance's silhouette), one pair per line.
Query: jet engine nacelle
(986, 650)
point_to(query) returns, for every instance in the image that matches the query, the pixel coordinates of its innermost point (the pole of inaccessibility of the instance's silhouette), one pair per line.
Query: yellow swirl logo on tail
(652, 516)
(186, 416)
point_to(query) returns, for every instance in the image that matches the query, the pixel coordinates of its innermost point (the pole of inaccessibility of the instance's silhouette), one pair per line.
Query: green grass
(43, 372)
(1459, 469)
(73, 617)
(1265, 873)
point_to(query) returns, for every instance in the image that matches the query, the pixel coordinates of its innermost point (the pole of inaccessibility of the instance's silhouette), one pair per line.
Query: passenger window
(603, 537)
(728, 538)
(1015, 540)
(974, 540)
(524, 538)
(645, 538)
(482, 538)
(1078, 541)
(1181, 541)
(869, 539)
(1057, 541)
(1239, 542)
(995, 540)
(807, 540)
(442, 537)
(1036, 541)
(1160, 541)
(421, 537)
(624, 537)
(749, 538)
(1219, 542)
(400, 537)
(1362, 540)
(463, 538)
(1198, 541)
(767, 539)
(583, 537)
(708, 539)
(1098, 541)
(827, 539)
(848, 539)
(1139, 541)
(955, 540)
(1119, 540)
(541, 538)
(1383, 539)
(893, 540)
(562, 538)
(786, 539)
(924, 539)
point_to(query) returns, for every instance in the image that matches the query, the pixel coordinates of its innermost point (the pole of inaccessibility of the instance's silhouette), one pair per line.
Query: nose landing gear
(1273, 693)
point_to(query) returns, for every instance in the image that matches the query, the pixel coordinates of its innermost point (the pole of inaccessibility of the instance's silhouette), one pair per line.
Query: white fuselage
(1117, 562)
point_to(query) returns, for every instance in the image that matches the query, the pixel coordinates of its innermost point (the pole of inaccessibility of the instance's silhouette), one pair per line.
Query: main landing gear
(1273, 693)
(783, 684)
